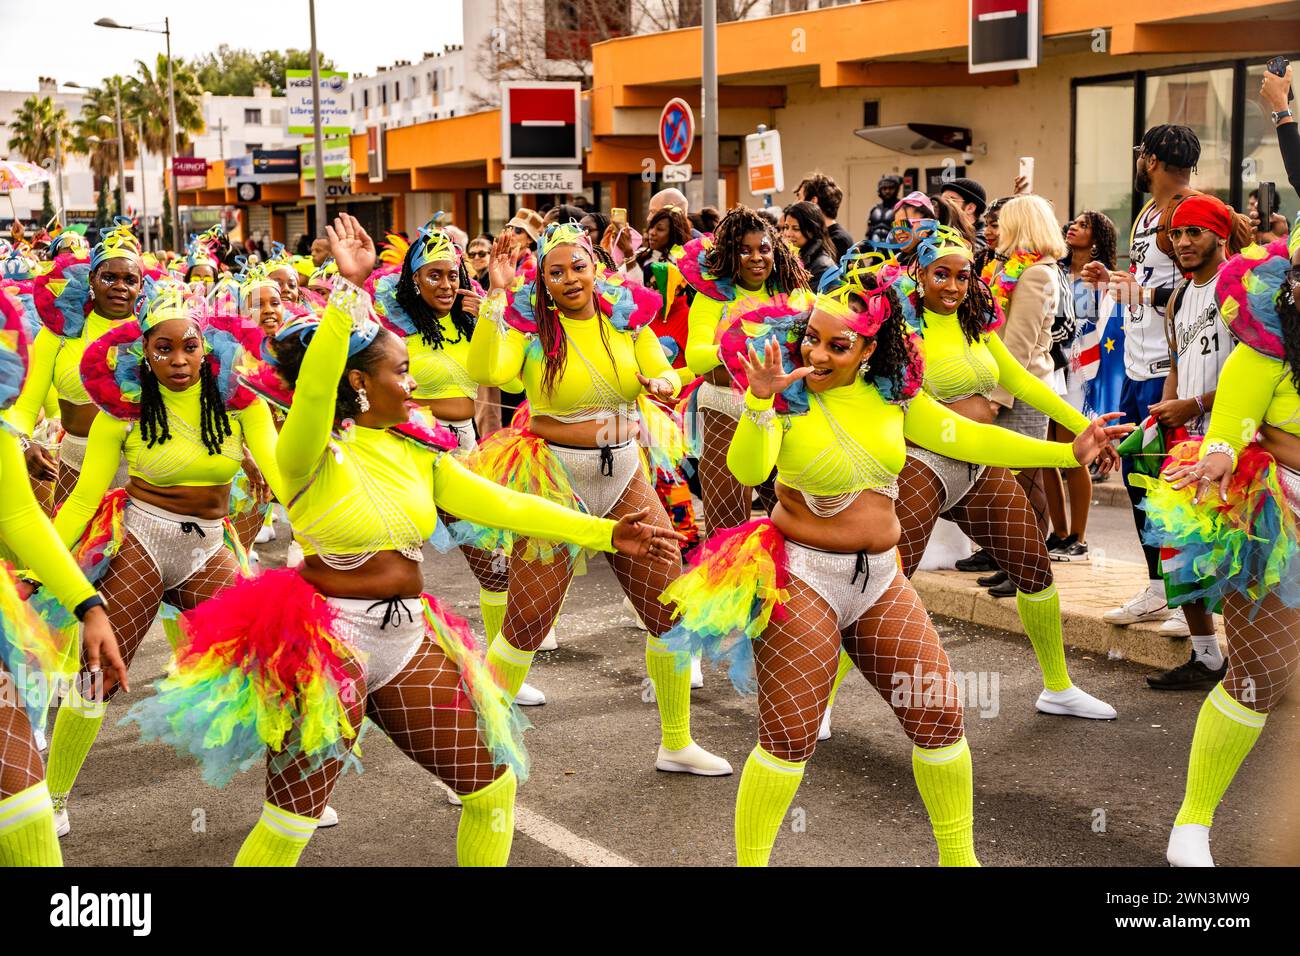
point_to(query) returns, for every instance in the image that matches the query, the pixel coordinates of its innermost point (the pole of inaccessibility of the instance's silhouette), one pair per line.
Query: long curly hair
(214, 423)
(975, 310)
(422, 314)
(1103, 236)
(289, 353)
(1290, 316)
(892, 357)
(788, 272)
(550, 333)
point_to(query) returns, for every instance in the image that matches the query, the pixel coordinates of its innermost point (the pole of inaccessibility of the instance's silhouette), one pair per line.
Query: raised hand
(1097, 437)
(636, 538)
(766, 375)
(502, 264)
(352, 248)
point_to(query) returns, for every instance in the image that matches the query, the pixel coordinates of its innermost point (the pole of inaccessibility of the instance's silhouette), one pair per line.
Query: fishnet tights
(20, 762)
(726, 501)
(537, 588)
(489, 569)
(424, 711)
(796, 661)
(995, 514)
(1263, 652)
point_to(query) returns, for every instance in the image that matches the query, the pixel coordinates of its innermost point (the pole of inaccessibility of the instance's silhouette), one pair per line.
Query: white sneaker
(265, 533)
(330, 818)
(41, 743)
(1189, 845)
(631, 612)
(295, 555)
(697, 674)
(1150, 605)
(824, 732)
(61, 825)
(1074, 703)
(549, 642)
(692, 759)
(1176, 625)
(529, 696)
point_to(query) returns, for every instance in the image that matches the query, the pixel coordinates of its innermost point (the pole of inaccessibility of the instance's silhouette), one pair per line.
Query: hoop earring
(363, 402)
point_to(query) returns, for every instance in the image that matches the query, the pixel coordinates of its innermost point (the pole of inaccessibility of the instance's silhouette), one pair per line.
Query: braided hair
(422, 314)
(974, 311)
(788, 272)
(214, 423)
(290, 351)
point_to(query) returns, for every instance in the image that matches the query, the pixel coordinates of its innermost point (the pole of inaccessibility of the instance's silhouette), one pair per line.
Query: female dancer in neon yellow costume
(171, 404)
(111, 279)
(28, 651)
(311, 651)
(1231, 506)
(581, 343)
(832, 395)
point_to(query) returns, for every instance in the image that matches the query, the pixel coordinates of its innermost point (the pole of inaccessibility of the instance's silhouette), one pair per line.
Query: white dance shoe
(697, 674)
(692, 759)
(529, 696)
(549, 642)
(824, 732)
(330, 818)
(1189, 845)
(1074, 703)
(61, 825)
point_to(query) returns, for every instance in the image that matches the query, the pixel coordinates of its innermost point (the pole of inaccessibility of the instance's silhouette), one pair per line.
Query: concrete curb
(1087, 591)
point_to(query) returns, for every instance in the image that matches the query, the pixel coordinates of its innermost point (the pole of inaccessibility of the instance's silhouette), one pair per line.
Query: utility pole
(121, 148)
(709, 98)
(316, 132)
(177, 241)
(144, 180)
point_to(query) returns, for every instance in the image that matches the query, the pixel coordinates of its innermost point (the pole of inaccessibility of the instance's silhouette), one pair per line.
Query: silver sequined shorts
(72, 454)
(599, 476)
(386, 633)
(466, 433)
(850, 583)
(957, 477)
(179, 545)
(720, 398)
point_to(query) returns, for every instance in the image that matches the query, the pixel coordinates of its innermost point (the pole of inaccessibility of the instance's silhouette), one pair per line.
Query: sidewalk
(1087, 591)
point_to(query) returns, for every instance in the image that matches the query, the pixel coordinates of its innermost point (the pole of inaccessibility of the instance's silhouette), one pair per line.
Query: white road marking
(563, 841)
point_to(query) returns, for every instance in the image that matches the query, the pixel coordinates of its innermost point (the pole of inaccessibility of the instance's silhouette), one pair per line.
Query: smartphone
(1277, 66)
(1027, 171)
(618, 215)
(1264, 206)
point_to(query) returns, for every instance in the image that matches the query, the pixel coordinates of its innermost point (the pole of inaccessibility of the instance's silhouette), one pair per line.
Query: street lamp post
(144, 180)
(121, 148)
(709, 99)
(166, 31)
(316, 131)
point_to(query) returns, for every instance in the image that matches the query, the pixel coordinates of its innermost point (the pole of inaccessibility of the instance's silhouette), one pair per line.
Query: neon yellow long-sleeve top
(26, 530)
(1254, 389)
(441, 372)
(956, 369)
(372, 490)
(594, 381)
(852, 440)
(182, 460)
(55, 360)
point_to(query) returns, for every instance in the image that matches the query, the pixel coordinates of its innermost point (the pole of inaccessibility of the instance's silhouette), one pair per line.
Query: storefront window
(1103, 159)
(1203, 101)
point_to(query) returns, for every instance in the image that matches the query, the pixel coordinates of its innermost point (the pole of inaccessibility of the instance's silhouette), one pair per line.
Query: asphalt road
(1048, 790)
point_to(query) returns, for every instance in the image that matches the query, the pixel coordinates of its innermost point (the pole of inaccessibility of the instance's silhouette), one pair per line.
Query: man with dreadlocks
(110, 280)
(831, 394)
(172, 405)
(580, 341)
(432, 303)
(744, 265)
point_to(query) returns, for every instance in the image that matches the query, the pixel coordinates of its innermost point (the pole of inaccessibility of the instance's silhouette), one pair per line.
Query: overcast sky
(58, 37)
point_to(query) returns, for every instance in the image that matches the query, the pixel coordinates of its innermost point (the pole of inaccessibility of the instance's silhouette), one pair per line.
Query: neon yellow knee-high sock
(509, 664)
(944, 779)
(1041, 615)
(841, 672)
(672, 693)
(278, 839)
(1225, 732)
(767, 785)
(27, 829)
(492, 604)
(487, 823)
(75, 729)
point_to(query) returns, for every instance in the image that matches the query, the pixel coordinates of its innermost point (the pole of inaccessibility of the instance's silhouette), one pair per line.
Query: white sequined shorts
(599, 476)
(179, 545)
(720, 398)
(850, 583)
(72, 455)
(1289, 479)
(466, 433)
(957, 477)
(386, 634)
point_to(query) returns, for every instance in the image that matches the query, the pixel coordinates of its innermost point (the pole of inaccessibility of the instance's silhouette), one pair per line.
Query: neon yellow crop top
(372, 490)
(441, 372)
(852, 440)
(591, 384)
(704, 325)
(24, 527)
(957, 369)
(56, 361)
(182, 460)
(1254, 389)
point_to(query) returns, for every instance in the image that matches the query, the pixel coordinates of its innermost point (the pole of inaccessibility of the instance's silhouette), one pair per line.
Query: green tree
(94, 135)
(146, 94)
(34, 129)
(234, 72)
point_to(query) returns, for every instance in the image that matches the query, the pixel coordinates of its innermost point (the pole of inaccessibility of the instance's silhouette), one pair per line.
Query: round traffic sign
(676, 130)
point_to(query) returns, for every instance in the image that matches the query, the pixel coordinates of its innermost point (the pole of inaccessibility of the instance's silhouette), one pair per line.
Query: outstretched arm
(103, 452)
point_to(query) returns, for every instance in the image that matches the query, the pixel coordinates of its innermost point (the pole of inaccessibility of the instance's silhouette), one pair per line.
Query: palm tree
(35, 128)
(146, 92)
(95, 136)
